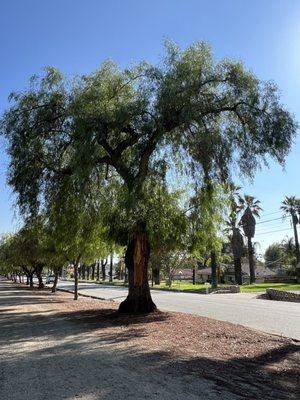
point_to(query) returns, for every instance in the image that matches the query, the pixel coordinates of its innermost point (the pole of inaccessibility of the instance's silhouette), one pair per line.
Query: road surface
(275, 317)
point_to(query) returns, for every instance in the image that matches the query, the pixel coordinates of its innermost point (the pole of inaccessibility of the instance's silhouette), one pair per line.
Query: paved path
(276, 317)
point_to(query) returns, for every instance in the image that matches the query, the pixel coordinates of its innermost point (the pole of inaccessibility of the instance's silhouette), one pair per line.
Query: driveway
(275, 317)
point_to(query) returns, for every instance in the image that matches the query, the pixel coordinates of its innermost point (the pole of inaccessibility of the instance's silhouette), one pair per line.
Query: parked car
(50, 279)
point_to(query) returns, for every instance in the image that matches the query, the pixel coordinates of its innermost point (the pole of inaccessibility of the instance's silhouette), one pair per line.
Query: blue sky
(77, 35)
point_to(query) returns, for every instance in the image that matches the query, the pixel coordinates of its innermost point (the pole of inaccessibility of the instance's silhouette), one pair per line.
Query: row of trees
(36, 247)
(177, 240)
(110, 145)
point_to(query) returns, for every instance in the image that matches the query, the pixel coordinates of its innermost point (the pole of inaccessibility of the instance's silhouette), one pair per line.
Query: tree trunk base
(137, 305)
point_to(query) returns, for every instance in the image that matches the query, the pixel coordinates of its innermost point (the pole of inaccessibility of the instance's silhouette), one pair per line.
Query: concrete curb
(82, 294)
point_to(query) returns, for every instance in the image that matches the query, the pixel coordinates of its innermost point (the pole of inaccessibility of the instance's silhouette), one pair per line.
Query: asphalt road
(276, 317)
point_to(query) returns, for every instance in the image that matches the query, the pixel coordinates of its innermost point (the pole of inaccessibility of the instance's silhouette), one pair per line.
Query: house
(203, 275)
(185, 274)
(262, 274)
(229, 275)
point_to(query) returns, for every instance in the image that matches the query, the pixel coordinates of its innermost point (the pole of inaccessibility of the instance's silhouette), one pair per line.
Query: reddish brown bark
(139, 299)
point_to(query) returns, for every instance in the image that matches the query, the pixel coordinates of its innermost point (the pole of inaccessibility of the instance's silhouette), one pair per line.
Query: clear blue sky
(76, 35)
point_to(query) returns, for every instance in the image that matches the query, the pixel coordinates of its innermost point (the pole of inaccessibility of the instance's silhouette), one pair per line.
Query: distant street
(280, 318)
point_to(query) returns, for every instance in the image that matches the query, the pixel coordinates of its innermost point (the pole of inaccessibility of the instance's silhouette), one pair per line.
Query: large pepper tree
(189, 111)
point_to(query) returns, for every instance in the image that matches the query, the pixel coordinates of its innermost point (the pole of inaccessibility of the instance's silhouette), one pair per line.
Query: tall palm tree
(251, 208)
(233, 231)
(291, 206)
(237, 246)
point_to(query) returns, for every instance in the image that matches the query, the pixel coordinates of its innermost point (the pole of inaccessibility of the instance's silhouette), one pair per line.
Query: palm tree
(237, 245)
(291, 206)
(236, 238)
(252, 209)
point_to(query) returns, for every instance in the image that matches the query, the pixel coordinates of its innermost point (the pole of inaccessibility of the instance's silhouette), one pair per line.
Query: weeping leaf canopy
(132, 123)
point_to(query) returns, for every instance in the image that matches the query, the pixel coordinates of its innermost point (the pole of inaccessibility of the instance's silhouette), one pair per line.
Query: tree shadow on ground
(76, 355)
(85, 370)
(19, 294)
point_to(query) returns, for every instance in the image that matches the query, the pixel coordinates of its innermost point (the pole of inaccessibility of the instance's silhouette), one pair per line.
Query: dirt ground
(54, 348)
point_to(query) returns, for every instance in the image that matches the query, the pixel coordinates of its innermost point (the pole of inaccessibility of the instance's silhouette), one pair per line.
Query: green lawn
(182, 286)
(198, 288)
(261, 287)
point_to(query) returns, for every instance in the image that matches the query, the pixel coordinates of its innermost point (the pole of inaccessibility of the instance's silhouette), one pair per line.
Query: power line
(274, 262)
(273, 219)
(272, 228)
(274, 225)
(271, 213)
(280, 230)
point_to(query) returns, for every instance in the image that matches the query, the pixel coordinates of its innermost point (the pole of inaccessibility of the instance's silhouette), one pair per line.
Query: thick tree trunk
(53, 289)
(111, 267)
(93, 272)
(238, 271)
(139, 299)
(214, 278)
(251, 260)
(27, 279)
(75, 281)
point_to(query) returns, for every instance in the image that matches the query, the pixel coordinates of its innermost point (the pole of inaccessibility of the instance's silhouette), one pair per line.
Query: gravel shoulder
(54, 348)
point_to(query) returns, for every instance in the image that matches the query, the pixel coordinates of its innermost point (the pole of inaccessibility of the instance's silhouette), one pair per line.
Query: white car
(50, 279)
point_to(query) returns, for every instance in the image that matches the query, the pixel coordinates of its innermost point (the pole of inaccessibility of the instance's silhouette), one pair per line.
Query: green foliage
(281, 254)
(291, 206)
(274, 255)
(166, 221)
(76, 226)
(216, 114)
(92, 154)
(25, 249)
(206, 222)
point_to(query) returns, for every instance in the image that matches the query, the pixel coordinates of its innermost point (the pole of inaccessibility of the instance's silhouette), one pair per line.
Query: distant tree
(25, 250)
(77, 228)
(206, 220)
(190, 112)
(289, 247)
(274, 255)
(291, 206)
(9, 256)
(282, 254)
(233, 230)
(251, 208)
